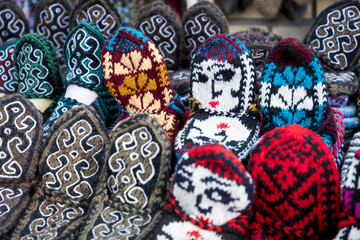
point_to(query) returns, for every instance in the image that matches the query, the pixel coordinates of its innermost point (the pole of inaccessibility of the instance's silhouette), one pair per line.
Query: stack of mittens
(136, 76)
(222, 83)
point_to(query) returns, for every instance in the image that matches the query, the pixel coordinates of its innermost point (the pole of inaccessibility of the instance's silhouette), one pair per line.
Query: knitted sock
(162, 25)
(13, 23)
(337, 149)
(51, 20)
(136, 76)
(268, 9)
(338, 101)
(211, 197)
(349, 233)
(135, 184)
(8, 75)
(297, 185)
(37, 70)
(70, 168)
(349, 110)
(351, 122)
(334, 36)
(20, 145)
(292, 10)
(101, 13)
(293, 90)
(201, 21)
(342, 83)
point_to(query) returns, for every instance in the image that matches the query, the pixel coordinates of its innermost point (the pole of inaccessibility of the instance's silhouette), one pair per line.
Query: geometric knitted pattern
(101, 13)
(335, 35)
(337, 148)
(13, 23)
(351, 232)
(135, 184)
(293, 89)
(162, 25)
(51, 20)
(211, 198)
(338, 101)
(201, 21)
(70, 168)
(207, 126)
(350, 176)
(20, 145)
(297, 185)
(342, 83)
(8, 75)
(37, 67)
(136, 76)
(222, 75)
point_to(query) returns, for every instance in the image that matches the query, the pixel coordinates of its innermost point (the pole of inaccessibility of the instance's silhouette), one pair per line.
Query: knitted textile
(136, 76)
(51, 20)
(335, 35)
(268, 8)
(201, 21)
(70, 168)
(37, 68)
(293, 90)
(163, 26)
(349, 110)
(13, 23)
(135, 184)
(293, 11)
(8, 75)
(180, 80)
(349, 134)
(20, 145)
(259, 42)
(211, 198)
(342, 83)
(352, 122)
(358, 105)
(337, 148)
(348, 233)
(297, 185)
(338, 101)
(101, 13)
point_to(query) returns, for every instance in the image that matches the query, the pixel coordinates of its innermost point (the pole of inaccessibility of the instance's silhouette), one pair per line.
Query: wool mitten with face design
(222, 81)
(136, 183)
(8, 74)
(211, 197)
(70, 169)
(136, 76)
(20, 146)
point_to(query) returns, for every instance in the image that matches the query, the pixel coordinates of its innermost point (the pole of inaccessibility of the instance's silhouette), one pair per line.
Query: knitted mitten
(13, 22)
(211, 197)
(136, 182)
(70, 168)
(334, 35)
(8, 75)
(136, 76)
(20, 146)
(338, 101)
(342, 83)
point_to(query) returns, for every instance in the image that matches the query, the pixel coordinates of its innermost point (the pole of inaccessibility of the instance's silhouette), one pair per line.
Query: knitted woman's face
(215, 84)
(204, 195)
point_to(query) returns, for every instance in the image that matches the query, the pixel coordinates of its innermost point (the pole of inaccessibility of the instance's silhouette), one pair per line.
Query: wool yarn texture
(102, 13)
(342, 83)
(70, 167)
(211, 197)
(337, 148)
(201, 21)
(20, 146)
(163, 26)
(338, 101)
(135, 184)
(293, 11)
(8, 74)
(136, 76)
(293, 90)
(222, 81)
(297, 185)
(37, 68)
(334, 35)
(13, 22)
(349, 233)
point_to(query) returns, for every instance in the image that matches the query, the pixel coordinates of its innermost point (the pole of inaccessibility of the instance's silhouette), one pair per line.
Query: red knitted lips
(297, 186)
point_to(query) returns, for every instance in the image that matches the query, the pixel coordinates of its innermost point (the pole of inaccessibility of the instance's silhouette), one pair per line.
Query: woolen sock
(334, 36)
(135, 184)
(269, 9)
(211, 197)
(51, 20)
(163, 26)
(13, 23)
(20, 146)
(8, 74)
(351, 232)
(201, 21)
(70, 167)
(342, 83)
(338, 101)
(102, 13)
